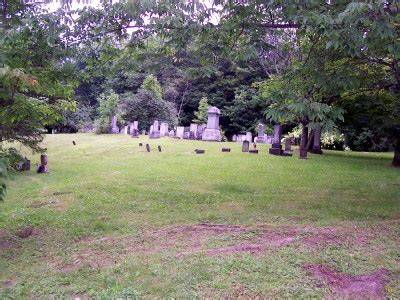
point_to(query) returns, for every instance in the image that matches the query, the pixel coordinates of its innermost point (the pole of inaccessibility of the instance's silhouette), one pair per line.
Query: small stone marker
(43, 168)
(73, 142)
(288, 146)
(254, 146)
(254, 151)
(26, 165)
(140, 144)
(245, 146)
(159, 148)
(148, 147)
(199, 151)
(226, 149)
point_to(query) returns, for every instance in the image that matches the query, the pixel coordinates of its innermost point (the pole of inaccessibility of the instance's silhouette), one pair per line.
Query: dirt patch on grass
(55, 203)
(343, 285)
(87, 258)
(215, 239)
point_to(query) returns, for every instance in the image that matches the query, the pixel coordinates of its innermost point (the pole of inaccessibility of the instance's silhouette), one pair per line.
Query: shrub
(10, 159)
(332, 140)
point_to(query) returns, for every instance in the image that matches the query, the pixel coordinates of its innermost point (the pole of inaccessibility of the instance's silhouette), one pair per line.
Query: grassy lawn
(112, 220)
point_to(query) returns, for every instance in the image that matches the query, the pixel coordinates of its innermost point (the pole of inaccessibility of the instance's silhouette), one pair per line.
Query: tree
(145, 108)
(152, 85)
(108, 104)
(201, 113)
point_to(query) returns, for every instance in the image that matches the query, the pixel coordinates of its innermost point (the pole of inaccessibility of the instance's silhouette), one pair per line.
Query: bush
(332, 140)
(10, 159)
(145, 108)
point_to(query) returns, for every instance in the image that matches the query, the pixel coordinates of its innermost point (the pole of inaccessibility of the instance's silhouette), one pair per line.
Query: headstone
(171, 133)
(186, 135)
(43, 168)
(163, 129)
(226, 149)
(154, 131)
(193, 131)
(288, 144)
(261, 136)
(249, 137)
(159, 148)
(199, 151)
(114, 127)
(143, 132)
(126, 128)
(134, 130)
(234, 138)
(253, 151)
(200, 130)
(245, 146)
(148, 147)
(212, 132)
(140, 144)
(180, 131)
(73, 142)
(276, 148)
(316, 149)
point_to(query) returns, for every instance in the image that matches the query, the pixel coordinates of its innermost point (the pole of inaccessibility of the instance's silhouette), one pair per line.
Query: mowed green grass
(110, 186)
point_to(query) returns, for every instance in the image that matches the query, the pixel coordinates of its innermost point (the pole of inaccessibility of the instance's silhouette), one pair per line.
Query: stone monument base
(260, 140)
(275, 151)
(211, 135)
(154, 135)
(114, 130)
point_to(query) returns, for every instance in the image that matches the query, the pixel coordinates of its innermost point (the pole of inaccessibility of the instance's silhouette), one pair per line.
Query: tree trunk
(396, 158)
(316, 145)
(310, 140)
(304, 140)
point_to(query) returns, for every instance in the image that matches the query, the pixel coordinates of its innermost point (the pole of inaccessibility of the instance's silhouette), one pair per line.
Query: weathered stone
(253, 151)
(226, 149)
(245, 146)
(261, 137)
(234, 138)
(171, 133)
(163, 129)
(193, 131)
(276, 148)
(212, 132)
(154, 131)
(288, 144)
(249, 137)
(200, 130)
(180, 130)
(159, 148)
(199, 151)
(148, 147)
(114, 127)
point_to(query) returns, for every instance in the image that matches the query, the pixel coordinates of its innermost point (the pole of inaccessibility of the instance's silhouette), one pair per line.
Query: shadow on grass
(372, 157)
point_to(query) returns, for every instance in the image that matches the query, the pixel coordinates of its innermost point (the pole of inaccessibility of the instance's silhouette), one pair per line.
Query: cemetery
(199, 149)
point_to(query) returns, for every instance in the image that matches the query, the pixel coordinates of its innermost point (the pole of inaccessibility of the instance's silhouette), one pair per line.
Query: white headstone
(180, 131)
